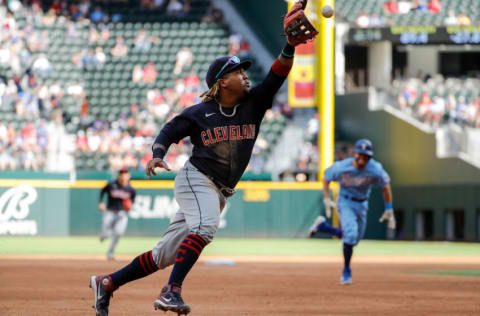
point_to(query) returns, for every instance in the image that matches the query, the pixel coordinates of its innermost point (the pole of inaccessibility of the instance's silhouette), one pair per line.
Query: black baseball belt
(352, 198)
(226, 191)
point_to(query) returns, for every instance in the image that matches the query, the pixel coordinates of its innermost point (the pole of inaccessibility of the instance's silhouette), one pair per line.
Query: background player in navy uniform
(120, 195)
(223, 129)
(356, 176)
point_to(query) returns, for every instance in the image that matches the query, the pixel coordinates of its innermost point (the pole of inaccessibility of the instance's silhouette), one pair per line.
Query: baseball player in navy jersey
(223, 129)
(356, 176)
(121, 195)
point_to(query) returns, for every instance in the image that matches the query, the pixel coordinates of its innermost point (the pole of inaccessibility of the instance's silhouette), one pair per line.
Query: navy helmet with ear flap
(364, 146)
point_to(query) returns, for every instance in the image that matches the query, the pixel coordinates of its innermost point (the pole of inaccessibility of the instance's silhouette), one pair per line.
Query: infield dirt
(32, 286)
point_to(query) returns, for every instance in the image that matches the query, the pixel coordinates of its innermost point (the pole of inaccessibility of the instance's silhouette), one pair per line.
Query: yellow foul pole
(325, 94)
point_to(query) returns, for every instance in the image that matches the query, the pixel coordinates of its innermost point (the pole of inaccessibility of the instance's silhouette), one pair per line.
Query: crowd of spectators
(177, 8)
(93, 56)
(127, 140)
(31, 108)
(399, 7)
(457, 20)
(27, 147)
(456, 105)
(83, 9)
(23, 148)
(406, 6)
(213, 15)
(97, 13)
(38, 104)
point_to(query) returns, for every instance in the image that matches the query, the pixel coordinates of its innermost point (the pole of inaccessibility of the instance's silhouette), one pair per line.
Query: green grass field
(224, 246)
(475, 273)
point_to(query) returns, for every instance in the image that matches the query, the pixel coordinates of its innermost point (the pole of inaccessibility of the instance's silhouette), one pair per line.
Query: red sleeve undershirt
(280, 69)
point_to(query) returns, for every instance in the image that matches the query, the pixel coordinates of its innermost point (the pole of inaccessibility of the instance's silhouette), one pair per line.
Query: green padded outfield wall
(57, 206)
(249, 213)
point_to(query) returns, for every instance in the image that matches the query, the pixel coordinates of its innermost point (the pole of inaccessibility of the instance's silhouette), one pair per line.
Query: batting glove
(329, 204)
(388, 216)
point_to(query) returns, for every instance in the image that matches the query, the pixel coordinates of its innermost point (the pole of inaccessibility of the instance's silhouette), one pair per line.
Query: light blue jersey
(355, 188)
(357, 183)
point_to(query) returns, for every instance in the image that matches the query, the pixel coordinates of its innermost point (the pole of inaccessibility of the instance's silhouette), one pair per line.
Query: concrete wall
(422, 59)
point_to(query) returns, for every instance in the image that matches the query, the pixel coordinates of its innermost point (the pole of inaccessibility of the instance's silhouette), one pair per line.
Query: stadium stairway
(451, 140)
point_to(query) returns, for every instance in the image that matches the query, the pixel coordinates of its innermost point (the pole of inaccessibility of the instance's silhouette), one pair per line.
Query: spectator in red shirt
(150, 73)
(11, 133)
(186, 99)
(424, 107)
(391, 7)
(435, 6)
(29, 133)
(191, 82)
(56, 6)
(81, 141)
(244, 48)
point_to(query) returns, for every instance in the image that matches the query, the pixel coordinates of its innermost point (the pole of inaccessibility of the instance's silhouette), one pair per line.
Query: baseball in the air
(327, 11)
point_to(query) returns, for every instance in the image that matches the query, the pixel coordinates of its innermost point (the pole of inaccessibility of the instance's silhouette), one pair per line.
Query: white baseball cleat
(313, 229)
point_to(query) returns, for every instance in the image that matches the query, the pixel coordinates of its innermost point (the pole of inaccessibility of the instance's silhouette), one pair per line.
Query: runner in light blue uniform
(356, 176)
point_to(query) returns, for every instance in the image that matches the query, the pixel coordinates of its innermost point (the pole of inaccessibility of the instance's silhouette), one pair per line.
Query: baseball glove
(296, 25)
(127, 204)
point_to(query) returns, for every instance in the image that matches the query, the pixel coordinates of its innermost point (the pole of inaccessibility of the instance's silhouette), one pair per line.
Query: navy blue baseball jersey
(116, 194)
(222, 138)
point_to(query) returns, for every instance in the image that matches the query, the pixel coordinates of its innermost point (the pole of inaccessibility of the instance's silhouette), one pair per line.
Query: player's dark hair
(211, 94)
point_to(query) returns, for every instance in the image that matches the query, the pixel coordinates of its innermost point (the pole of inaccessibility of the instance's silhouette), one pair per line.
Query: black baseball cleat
(170, 299)
(103, 288)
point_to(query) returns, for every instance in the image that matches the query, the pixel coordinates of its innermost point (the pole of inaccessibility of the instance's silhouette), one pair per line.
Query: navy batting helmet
(222, 66)
(364, 146)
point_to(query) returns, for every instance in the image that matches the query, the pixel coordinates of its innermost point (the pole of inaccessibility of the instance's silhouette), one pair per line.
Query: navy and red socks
(143, 265)
(187, 255)
(140, 267)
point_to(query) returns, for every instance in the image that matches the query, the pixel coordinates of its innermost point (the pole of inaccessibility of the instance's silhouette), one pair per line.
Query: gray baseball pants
(201, 204)
(114, 224)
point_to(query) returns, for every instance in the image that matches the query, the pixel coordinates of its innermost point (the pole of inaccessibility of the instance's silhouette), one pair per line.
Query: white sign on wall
(162, 206)
(15, 208)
